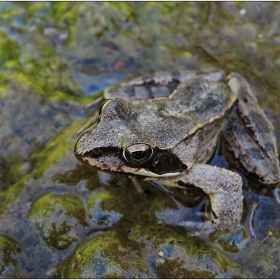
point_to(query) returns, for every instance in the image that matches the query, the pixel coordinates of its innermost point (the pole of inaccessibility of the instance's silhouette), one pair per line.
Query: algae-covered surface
(59, 218)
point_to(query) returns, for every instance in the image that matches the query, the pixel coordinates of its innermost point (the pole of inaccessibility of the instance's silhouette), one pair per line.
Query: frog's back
(158, 84)
(193, 105)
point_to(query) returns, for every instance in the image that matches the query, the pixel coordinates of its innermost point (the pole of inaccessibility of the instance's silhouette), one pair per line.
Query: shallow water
(59, 218)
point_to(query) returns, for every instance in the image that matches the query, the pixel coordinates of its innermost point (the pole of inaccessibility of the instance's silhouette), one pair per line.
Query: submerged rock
(58, 218)
(151, 251)
(231, 241)
(9, 249)
(105, 256)
(102, 207)
(173, 253)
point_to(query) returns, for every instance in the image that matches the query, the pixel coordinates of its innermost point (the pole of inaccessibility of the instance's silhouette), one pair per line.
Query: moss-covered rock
(173, 253)
(231, 241)
(262, 257)
(58, 218)
(104, 255)
(9, 250)
(102, 206)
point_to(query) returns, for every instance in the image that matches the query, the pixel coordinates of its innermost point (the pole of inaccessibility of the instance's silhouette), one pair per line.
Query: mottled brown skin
(170, 138)
(250, 137)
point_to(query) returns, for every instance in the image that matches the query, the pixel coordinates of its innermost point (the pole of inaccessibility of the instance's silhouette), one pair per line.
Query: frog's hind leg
(249, 141)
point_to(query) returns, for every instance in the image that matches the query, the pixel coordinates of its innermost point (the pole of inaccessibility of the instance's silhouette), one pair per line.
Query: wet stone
(184, 256)
(277, 40)
(59, 218)
(251, 46)
(262, 256)
(9, 250)
(102, 207)
(230, 241)
(276, 256)
(104, 256)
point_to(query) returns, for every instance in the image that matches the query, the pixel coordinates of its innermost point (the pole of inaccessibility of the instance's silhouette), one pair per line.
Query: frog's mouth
(155, 163)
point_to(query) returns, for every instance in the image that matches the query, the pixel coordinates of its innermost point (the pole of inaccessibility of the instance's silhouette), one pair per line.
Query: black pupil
(138, 154)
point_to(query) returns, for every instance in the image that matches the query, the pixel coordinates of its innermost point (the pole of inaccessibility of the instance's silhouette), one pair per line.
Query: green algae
(46, 202)
(48, 76)
(52, 152)
(9, 244)
(230, 241)
(9, 50)
(184, 256)
(9, 249)
(98, 197)
(55, 148)
(9, 13)
(104, 207)
(58, 217)
(104, 256)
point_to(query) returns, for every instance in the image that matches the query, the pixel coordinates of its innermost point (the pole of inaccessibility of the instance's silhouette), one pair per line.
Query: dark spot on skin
(269, 147)
(147, 80)
(261, 124)
(149, 91)
(239, 164)
(176, 76)
(129, 91)
(247, 120)
(214, 214)
(181, 183)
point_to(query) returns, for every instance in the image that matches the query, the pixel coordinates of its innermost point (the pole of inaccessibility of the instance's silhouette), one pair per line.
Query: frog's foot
(224, 189)
(249, 140)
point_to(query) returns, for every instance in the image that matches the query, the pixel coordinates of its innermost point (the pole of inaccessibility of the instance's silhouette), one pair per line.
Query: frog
(166, 126)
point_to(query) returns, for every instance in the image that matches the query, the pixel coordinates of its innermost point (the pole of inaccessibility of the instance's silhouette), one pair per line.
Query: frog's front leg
(224, 189)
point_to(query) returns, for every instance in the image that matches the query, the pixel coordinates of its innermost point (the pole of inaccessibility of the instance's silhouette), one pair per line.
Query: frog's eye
(137, 154)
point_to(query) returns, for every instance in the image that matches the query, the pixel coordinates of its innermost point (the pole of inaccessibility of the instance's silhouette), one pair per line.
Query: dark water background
(59, 218)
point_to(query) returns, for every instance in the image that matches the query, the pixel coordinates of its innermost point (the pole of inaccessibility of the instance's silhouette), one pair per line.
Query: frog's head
(118, 144)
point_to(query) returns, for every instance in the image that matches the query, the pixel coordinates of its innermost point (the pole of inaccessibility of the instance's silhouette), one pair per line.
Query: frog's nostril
(94, 153)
